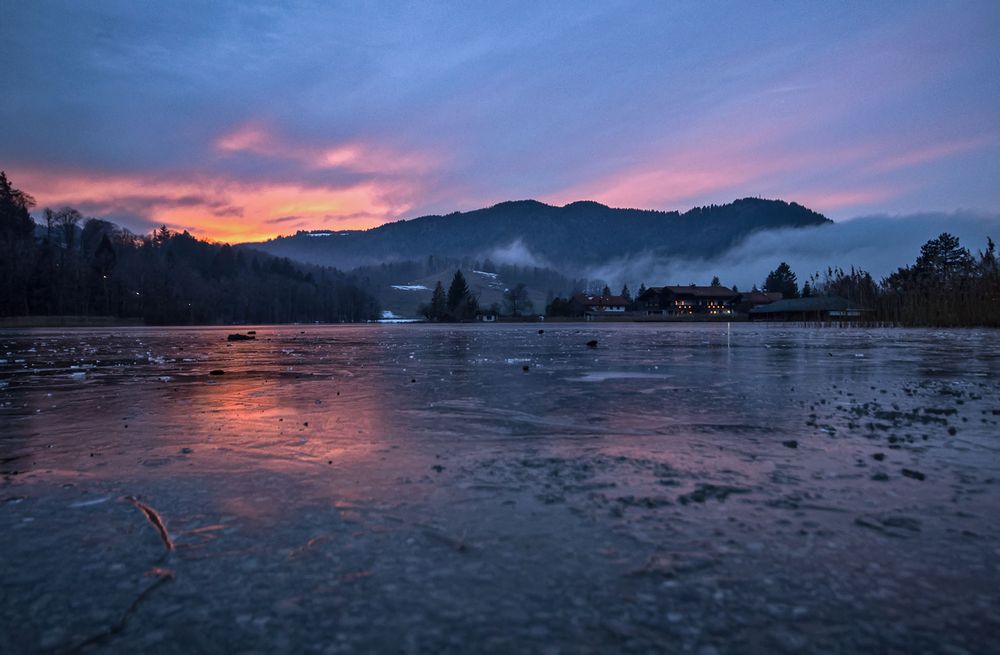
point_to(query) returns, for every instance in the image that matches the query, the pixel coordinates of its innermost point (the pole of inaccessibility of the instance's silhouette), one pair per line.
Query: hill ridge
(570, 237)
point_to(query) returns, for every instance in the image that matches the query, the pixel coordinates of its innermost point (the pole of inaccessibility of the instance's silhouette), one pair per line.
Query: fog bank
(877, 244)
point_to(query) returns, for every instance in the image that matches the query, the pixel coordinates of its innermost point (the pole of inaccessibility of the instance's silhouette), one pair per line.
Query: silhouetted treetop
(783, 280)
(15, 219)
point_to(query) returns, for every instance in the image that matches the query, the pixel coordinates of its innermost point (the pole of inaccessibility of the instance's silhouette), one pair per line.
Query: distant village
(946, 286)
(705, 303)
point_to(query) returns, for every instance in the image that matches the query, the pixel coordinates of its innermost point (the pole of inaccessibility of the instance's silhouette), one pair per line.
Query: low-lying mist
(516, 253)
(877, 244)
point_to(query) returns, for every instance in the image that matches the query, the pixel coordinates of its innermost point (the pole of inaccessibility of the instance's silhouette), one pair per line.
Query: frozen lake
(423, 488)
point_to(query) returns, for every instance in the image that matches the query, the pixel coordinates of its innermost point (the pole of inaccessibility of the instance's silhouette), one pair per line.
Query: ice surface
(415, 489)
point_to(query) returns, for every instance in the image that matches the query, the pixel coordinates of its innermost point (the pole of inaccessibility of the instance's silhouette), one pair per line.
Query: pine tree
(458, 292)
(161, 236)
(716, 282)
(942, 259)
(439, 304)
(783, 280)
(16, 248)
(15, 221)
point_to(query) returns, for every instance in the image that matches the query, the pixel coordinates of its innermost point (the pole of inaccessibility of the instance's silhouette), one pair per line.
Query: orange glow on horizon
(221, 210)
(377, 185)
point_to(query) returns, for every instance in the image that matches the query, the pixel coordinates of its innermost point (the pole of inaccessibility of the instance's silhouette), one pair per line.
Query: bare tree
(67, 220)
(516, 300)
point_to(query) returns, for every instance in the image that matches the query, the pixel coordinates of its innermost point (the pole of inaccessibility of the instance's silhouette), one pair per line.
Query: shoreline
(70, 321)
(7, 325)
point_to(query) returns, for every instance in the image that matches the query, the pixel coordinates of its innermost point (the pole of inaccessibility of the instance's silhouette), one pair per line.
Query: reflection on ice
(603, 376)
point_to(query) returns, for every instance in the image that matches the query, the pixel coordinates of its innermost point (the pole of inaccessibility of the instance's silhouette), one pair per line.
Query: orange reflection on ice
(277, 421)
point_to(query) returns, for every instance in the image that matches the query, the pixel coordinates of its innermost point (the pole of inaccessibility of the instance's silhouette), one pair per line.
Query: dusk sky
(240, 123)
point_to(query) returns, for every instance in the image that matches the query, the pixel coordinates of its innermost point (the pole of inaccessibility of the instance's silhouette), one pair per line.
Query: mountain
(530, 232)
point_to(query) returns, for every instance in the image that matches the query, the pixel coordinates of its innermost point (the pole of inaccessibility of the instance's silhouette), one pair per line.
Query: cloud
(877, 244)
(933, 152)
(223, 209)
(263, 180)
(440, 107)
(740, 161)
(282, 219)
(830, 200)
(256, 138)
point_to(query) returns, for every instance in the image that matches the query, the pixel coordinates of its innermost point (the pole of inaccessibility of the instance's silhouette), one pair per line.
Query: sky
(239, 121)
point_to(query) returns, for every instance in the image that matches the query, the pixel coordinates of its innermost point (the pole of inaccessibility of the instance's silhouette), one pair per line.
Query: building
(813, 309)
(687, 301)
(751, 299)
(590, 306)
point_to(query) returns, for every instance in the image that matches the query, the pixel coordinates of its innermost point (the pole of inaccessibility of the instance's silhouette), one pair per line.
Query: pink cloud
(914, 157)
(717, 170)
(768, 163)
(357, 156)
(834, 200)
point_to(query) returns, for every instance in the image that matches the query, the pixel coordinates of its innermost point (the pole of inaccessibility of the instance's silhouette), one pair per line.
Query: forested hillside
(90, 267)
(570, 238)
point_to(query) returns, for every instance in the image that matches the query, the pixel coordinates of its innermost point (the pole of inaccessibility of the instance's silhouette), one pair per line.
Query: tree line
(80, 266)
(947, 286)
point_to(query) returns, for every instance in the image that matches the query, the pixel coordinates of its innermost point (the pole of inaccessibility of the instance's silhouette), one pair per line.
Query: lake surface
(428, 489)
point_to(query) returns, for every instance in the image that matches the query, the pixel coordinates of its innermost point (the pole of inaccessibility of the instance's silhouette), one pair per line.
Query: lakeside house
(812, 309)
(591, 306)
(687, 301)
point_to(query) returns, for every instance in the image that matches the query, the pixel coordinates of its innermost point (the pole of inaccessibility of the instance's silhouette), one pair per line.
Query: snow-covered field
(389, 317)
